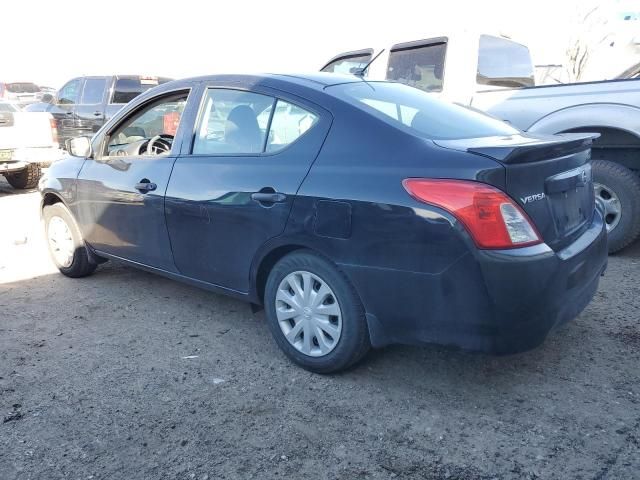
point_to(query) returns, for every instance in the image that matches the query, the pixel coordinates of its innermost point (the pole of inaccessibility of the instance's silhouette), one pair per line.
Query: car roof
(315, 80)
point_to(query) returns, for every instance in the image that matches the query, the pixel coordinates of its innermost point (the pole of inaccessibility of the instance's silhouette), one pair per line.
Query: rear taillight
(492, 218)
(54, 130)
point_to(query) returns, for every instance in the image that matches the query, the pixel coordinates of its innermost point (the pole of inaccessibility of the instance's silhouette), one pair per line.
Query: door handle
(97, 114)
(145, 186)
(266, 197)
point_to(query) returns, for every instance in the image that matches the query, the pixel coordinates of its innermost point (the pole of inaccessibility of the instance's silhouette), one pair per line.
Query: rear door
(90, 107)
(232, 189)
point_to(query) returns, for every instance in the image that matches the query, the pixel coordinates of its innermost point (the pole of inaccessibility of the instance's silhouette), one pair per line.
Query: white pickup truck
(28, 142)
(495, 74)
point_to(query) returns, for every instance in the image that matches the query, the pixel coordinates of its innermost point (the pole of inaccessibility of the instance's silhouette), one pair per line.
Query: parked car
(28, 142)
(365, 228)
(84, 104)
(496, 75)
(21, 93)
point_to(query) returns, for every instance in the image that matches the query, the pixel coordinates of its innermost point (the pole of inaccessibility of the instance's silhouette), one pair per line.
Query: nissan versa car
(357, 213)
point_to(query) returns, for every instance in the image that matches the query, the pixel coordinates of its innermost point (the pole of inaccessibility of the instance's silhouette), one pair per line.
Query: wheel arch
(617, 124)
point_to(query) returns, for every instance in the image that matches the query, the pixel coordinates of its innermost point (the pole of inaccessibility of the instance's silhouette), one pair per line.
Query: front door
(234, 188)
(121, 191)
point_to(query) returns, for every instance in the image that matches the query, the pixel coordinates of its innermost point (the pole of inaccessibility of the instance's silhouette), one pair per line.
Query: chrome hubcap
(308, 313)
(611, 204)
(60, 241)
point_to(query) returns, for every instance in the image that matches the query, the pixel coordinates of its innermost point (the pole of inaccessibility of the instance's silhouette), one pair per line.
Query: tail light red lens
(491, 217)
(54, 130)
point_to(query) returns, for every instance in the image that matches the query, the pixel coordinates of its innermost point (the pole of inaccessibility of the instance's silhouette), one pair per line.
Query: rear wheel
(315, 314)
(65, 242)
(26, 178)
(618, 189)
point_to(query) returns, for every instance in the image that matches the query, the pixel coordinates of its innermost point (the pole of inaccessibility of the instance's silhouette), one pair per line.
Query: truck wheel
(66, 246)
(618, 188)
(27, 178)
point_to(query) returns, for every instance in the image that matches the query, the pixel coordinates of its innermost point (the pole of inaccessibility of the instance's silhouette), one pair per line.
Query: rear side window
(421, 66)
(504, 63)
(420, 112)
(288, 123)
(348, 64)
(93, 92)
(240, 122)
(128, 88)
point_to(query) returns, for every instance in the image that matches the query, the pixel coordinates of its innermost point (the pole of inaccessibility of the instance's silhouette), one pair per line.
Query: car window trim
(175, 150)
(346, 55)
(414, 45)
(240, 87)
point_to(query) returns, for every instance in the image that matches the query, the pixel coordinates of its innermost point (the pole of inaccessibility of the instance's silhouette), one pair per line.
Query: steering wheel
(159, 145)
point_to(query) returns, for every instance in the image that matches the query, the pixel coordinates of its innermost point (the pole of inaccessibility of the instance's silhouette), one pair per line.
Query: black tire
(354, 341)
(81, 265)
(27, 178)
(625, 184)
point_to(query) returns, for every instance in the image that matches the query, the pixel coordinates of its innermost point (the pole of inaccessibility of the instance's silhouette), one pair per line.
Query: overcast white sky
(49, 42)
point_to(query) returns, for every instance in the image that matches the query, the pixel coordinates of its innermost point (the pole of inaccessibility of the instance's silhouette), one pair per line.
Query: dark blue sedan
(357, 213)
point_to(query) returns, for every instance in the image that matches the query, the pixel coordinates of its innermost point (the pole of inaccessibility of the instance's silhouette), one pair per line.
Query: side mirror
(79, 146)
(47, 98)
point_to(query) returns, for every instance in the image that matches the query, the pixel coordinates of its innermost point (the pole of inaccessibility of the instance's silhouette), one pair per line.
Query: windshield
(421, 112)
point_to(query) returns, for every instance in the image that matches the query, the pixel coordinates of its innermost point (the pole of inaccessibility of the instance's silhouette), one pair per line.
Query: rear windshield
(23, 87)
(421, 112)
(128, 88)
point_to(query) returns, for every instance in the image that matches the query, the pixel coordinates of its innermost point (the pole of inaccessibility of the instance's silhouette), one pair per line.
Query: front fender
(60, 180)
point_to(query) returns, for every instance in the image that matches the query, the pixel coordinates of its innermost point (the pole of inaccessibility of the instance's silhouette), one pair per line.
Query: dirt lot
(125, 375)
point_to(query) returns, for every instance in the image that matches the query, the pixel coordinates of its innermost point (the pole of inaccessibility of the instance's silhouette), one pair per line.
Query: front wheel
(65, 242)
(314, 313)
(618, 190)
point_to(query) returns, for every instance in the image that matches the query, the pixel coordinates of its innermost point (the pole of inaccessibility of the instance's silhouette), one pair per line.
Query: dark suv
(84, 104)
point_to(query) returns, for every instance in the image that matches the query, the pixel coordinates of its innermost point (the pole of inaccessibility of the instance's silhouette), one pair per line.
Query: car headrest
(241, 129)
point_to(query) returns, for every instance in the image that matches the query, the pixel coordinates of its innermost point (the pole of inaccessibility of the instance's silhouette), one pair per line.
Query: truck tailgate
(25, 129)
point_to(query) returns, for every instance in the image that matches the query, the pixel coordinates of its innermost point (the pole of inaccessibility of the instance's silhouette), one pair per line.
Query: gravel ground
(126, 375)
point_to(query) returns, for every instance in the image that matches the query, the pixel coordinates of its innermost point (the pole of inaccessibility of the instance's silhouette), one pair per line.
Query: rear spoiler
(523, 148)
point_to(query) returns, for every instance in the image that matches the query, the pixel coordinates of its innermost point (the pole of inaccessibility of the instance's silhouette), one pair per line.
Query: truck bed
(523, 107)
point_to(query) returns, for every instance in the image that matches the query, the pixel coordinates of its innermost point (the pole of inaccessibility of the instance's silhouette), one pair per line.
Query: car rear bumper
(491, 301)
(21, 157)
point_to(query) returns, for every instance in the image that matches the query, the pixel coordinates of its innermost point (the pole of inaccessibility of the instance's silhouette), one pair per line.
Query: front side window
(422, 113)
(93, 91)
(504, 63)
(151, 130)
(421, 67)
(70, 93)
(348, 64)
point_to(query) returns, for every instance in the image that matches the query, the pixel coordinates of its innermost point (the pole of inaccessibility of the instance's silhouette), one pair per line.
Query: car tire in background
(618, 189)
(24, 179)
(315, 314)
(65, 242)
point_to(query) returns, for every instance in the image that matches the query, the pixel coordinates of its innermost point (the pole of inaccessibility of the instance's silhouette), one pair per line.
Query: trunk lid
(549, 176)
